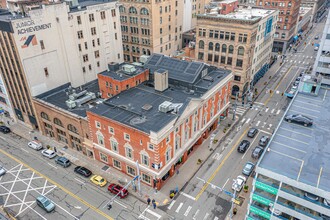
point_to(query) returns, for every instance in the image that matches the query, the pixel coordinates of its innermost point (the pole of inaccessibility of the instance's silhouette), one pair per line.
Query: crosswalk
(240, 110)
(189, 212)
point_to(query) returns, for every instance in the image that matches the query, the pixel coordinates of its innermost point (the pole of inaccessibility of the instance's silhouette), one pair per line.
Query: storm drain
(105, 168)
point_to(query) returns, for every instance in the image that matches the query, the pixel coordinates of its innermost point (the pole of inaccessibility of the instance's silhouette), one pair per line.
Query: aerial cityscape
(164, 109)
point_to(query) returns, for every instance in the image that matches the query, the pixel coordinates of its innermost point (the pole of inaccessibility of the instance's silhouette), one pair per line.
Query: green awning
(266, 188)
(262, 200)
(259, 212)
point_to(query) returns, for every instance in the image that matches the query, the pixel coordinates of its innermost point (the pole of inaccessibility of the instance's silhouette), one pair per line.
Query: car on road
(311, 196)
(316, 37)
(238, 183)
(4, 129)
(264, 141)
(36, 145)
(115, 189)
(248, 168)
(98, 180)
(2, 171)
(257, 152)
(48, 153)
(316, 48)
(83, 171)
(63, 161)
(299, 119)
(45, 203)
(252, 132)
(243, 146)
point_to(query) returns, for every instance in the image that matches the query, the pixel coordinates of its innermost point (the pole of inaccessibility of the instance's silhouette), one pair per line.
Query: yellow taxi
(98, 180)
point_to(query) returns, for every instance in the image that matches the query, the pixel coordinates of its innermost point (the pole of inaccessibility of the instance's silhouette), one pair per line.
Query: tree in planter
(246, 188)
(235, 211)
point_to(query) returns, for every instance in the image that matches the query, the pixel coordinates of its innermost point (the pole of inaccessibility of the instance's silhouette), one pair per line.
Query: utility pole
(236, 96)
(139, 177)
(232, 204)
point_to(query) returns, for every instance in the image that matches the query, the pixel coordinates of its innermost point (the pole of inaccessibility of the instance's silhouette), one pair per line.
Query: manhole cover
(105, 168)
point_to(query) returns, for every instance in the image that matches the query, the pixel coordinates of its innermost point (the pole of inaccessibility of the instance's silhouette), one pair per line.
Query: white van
(36, 145)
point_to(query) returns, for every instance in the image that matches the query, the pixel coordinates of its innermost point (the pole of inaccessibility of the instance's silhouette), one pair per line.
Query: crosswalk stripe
(266, 109)
(205, 217)
(196, 213)
(278, 111)
(258, 123)
(216, 218)
(170, 206)
(187, 211)
(272, 111)
(178, 209)
(270, 125)
(248, 120)
(243, 120)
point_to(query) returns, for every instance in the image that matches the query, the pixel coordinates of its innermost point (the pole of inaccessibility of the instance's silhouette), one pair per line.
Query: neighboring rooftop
(144, 108)
(75, 100)
(122, 71)
(83, 4)
(303, 153)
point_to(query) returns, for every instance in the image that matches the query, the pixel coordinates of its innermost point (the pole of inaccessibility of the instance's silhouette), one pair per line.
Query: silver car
(48, 153)
(248, 168)
(2, 171)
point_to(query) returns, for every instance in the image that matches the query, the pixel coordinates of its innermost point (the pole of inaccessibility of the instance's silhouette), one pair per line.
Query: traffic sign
(228, 193)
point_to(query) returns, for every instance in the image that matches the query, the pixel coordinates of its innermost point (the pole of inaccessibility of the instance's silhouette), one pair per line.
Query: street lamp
(236, 96)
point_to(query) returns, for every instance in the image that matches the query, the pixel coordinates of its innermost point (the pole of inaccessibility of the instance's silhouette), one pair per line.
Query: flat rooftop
(303, 153)
(61, 94)
(118, 72)
(243, 14)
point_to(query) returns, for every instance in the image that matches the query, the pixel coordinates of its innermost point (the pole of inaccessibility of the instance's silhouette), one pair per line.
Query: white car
(36, 145)
(238, 183)
(48, 153)
(2, 171)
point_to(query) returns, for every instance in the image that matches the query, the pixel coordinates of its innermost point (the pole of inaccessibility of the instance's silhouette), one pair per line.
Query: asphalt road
(202, 198)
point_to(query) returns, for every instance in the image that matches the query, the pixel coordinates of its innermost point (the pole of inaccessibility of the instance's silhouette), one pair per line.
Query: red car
(115, 189)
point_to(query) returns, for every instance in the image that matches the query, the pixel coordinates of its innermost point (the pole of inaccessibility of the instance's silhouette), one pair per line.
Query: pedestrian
(148, 201)
(176, 189)
(177, 172)
(154, 203)
(8, 122)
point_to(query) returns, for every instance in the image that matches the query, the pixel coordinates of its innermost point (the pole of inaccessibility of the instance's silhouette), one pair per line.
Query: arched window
(44, 116)
(58, 122)
(217, 47)
(132, 10)
(144, 158)
(144, 11)
(148, 52)
(231, 49)
(224, 48)
(122, 9)
(73, 129)
(240, 51)
(210, 46)
(201, 44)
(234, 90)
(144, 51)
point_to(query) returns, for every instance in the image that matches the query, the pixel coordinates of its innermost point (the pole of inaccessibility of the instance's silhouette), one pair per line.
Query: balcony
(293, 210)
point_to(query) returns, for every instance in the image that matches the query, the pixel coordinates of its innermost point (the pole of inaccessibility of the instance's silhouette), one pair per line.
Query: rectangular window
(211, 33)
(216, 34)
(216, 58)
(201, 56)
(117, 164)
(103, 157)
(227, 36)
(91, 17)
(237, 78)
(78, 19)
(114, 145)
(130, 171)
(80, 35)
(79, 47)
(93, 30)
(222, 35)
(150, 146)
(229, 60)
(111, 130)
(223, 60)
(97, 124)
(113, 12)
(232, 36)
(85, 58)
(86, 46)
(98, 41)
(102, 15)
(90, 67)
(144, 159)
(97, 54)
(209, 57)
(146, 178)
(239, 63)
(126, 137)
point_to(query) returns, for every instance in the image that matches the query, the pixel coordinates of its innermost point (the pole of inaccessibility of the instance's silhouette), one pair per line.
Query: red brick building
(160, 122)
(120, 77)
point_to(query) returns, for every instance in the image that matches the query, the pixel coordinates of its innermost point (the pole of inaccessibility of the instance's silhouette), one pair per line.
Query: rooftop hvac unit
(70, 103)
(165, 107)
(144, 58)
(128, 68)
(89, 96)
(74, 95)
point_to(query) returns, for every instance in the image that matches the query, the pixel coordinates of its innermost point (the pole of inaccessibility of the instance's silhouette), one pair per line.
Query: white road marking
(171, 205)
(3, 138)
(77, 207)
(263, 125)
(272, 111)
(267, 109)
(243, 120)
(215, 218)
(158, 216)
(248, 120)
(24, 150)
(52, 165)
(196, 213)
(225, 183)
(141, 216)
(270, 125)
(250, 146)
(205, 217)
(259, 103)
(217, 156)
(179, 207)
(26, 191)
(266, 132)
(187, 211)
(188, 196)
(278, 111)
(120, 204)
(258, 123)
(277, 92)
(80, 181)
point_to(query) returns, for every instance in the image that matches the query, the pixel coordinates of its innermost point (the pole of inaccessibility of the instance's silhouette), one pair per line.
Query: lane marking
(187, 211)
(154, 213)
(258, 123)
(24, 150)
(266, 132)
(170, 206)
(3, 138)
(278, 111)
(188, 196)
(270, 125)
(52, 165)
(196, 213)
(221, 164)
(58, 185)
(206, 215)
(243, 120)
(80, 181)
(272, 111)
(255, 138)
(225, 183)
(120, 204)
(179, 207)
(267, 109)
(216, 218)
(248, 120)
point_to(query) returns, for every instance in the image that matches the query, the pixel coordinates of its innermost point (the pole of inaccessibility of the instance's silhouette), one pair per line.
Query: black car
(243, 146)
(252, 132)
(83, 171)
(257, 152)
(4, 129)
(299, 119)
(264, 141)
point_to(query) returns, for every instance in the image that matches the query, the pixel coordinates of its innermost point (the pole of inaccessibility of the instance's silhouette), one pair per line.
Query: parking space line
(302, 97)
(300, 126)
(301, 166)
(52, 165)
(311, 116)
(283, 154)
(292, 139)
(295, 132)
(319, 178)
(298, 106)
(307, 103)
(293, 148)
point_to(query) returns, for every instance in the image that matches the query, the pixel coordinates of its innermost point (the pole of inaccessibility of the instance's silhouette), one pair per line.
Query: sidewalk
(186, 171)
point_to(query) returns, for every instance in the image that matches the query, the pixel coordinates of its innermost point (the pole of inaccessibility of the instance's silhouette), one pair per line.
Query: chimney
(161, 80)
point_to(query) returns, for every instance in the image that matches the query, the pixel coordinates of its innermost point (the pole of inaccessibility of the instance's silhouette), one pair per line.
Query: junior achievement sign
(29, 26)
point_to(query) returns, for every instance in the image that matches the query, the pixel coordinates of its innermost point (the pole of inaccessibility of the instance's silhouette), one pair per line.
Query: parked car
(264, 141)
(83, 171)
(252, 132)
(316, 37)
(63, 161)
(36, 145)
(48, 153)
(238, 183)
(311, 196)
(316, 48)
(98, 180)
(4, 129)
(248, 168)
(243, 146)
(115, 189)
(45, 203)
(257, 152)
(299, 119)
(2, 171)
(326, 202)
